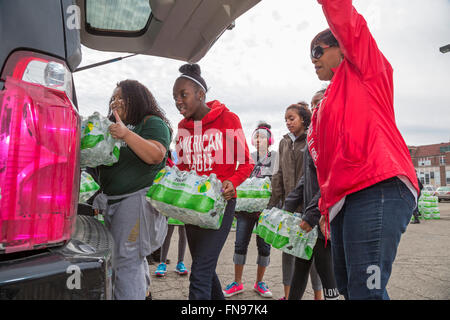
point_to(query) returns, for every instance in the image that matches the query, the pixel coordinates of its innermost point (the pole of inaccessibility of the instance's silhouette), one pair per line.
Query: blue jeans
(205, 246)
(244, 229)
(365, 236)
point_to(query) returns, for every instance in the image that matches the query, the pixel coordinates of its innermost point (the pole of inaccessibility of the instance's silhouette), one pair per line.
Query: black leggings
(324, 266)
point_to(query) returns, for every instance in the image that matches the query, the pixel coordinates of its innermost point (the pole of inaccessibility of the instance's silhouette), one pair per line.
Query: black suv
(48, 248)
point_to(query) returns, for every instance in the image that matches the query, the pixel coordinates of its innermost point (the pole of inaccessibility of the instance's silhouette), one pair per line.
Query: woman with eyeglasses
(136, 227)
(366, 177)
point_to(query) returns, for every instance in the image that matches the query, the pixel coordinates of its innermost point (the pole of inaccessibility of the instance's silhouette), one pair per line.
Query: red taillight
(39, 153)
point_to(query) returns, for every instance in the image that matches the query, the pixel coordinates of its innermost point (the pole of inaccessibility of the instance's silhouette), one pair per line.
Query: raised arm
(355, 40)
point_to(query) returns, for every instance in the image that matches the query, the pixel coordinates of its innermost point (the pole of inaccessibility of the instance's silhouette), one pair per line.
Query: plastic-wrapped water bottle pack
(98, 147)
(88, 187)
(282, 230)
(188, 197)
(253, 194)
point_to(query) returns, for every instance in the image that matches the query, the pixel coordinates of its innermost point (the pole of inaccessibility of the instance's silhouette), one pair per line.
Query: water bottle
(100, 218)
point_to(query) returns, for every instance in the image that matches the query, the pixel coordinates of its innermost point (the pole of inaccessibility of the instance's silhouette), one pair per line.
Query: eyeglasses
(318, 51)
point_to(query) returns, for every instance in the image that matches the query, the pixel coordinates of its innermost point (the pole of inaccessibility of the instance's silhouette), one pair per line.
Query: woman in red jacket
(210, 140)
(365, 173)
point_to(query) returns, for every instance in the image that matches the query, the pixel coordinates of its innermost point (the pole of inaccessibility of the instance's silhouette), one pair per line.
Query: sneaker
(161, 270)
(232, 289)
(284, 298)
(263, 290)
(181, 269)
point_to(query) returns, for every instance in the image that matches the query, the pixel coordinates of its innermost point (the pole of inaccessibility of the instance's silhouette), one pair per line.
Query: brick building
(432, 163)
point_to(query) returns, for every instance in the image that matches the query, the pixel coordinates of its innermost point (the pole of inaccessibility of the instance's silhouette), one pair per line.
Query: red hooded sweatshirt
(216, 144)
(353, 137)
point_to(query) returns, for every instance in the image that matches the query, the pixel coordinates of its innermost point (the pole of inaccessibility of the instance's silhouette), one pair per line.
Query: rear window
(117, 16)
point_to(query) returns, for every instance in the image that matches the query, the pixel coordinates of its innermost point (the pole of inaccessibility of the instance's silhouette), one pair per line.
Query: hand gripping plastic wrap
(188, 197)
(282, 230)
(253, 194)
(88, 187)
(98, 147)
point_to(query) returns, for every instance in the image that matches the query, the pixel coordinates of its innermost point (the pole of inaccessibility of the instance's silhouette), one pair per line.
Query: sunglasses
(317, 51)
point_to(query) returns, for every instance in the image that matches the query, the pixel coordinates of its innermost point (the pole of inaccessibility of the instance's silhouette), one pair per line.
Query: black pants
(324, 267)
(205, 246)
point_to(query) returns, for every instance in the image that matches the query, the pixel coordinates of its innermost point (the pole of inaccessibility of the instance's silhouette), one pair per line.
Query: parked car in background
(443, 193)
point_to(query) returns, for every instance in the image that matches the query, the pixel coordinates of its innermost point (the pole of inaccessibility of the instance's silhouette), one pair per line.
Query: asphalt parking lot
(421, 270)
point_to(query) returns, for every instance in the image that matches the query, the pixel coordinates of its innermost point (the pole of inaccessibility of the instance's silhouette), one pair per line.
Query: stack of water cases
(253, 194)
(428, 206)
(98, 147)
(188, 197)
(281, 229)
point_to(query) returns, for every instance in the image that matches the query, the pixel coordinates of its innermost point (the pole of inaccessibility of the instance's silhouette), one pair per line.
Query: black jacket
(306, 193)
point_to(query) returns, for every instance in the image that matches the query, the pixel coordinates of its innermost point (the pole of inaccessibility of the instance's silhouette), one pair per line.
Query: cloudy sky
(262, 66)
